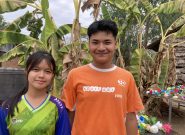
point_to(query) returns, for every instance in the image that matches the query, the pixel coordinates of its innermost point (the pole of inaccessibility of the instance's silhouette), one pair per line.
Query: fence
(11, 81)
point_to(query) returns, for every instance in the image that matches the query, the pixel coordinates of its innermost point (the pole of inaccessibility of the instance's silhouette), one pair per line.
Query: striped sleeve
(3, 125)
(62, 125)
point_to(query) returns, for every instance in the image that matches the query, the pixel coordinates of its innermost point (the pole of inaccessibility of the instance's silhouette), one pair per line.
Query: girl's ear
(53, 79)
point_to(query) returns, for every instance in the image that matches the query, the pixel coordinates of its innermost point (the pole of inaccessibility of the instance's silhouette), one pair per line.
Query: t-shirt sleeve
(134, 102)
(69, 93)
(63, 125)
(3, 125)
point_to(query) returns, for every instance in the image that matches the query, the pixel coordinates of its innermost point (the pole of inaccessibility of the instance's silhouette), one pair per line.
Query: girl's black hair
(31, 62)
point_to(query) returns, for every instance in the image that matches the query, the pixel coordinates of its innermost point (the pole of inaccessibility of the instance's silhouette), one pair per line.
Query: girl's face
(40, 76)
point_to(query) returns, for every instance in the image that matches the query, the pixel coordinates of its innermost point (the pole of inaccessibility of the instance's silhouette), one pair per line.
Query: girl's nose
(41, 73)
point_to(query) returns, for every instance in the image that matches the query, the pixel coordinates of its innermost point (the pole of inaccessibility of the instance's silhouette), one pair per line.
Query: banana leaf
(9, 37)
(22, 43)
(181, 32)
(141, 63)
(13, 5)
(19, 23)
(135, 64)
(177, 6)
(178, 23)
(163, 72)
(130, 5)
(18, 50)
(147, 5)
(67, 29)
(105, 12)
(49, 27)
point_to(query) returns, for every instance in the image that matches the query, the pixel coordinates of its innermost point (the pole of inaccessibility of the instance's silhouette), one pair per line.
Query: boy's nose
(101, 46)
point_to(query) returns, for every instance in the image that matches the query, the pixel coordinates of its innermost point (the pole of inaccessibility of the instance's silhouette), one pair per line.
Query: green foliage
(19, 23)
(126, 5)
(9, 37)
(105, 12)
(49, 27)
(67, 29)
(13, 5)
(34, 26)
(177, 23)
(21, 41)
(164, 70)
(177, 6)
(140, 23)
(2, 23)
(181, 32)
(141, 64)
(16, 51)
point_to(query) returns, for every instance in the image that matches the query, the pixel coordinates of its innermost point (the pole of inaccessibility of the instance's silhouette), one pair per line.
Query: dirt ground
(177, 121)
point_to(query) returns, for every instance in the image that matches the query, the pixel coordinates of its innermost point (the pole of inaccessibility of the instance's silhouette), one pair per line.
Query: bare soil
(177, 119)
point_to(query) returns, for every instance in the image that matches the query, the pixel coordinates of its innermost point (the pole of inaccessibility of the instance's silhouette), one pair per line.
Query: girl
(34, 111)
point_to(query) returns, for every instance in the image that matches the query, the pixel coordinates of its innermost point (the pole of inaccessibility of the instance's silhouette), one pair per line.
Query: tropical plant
(2, 22)
(75, 53)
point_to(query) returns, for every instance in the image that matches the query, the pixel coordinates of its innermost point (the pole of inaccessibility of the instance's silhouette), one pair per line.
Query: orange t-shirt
(101, 98)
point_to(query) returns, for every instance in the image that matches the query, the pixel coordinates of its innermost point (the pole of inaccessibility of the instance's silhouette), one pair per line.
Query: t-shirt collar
(101, 69)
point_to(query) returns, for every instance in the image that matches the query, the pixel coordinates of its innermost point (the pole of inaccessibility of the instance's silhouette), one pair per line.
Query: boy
(103, 96)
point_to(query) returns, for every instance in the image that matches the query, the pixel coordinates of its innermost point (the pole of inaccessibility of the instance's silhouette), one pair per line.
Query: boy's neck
(103, 66)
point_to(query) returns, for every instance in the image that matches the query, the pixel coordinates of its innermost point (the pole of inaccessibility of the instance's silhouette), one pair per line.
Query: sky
(62, 11)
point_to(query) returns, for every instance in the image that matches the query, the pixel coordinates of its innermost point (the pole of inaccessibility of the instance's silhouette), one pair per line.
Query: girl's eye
(35, 69)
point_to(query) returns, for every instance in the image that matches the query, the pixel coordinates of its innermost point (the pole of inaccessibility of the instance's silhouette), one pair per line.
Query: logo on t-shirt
(98, 89)
(122, 82)
(15, 121)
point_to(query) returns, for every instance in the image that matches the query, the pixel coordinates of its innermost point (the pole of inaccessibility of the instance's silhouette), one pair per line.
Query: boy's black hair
(33, 60)
(103, 25)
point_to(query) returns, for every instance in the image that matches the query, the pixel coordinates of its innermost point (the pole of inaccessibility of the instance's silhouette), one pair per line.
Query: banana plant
(149, 67)
(76, 52)
(131, 7)
(132, 13)
(168, 8)
(96, 6)
(13, 5)
(51, 38)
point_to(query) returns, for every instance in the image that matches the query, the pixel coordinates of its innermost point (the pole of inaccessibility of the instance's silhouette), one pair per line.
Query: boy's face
(102, 46)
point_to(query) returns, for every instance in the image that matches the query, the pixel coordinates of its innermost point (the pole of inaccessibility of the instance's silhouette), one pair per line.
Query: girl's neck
(35, 99)
(36, 94)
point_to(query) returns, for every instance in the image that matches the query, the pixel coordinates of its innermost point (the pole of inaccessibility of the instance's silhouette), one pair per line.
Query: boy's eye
(48, 71)
(107, 43)
(95, 43)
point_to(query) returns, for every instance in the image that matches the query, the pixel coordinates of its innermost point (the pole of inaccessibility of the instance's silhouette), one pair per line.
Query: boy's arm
(131, 124)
